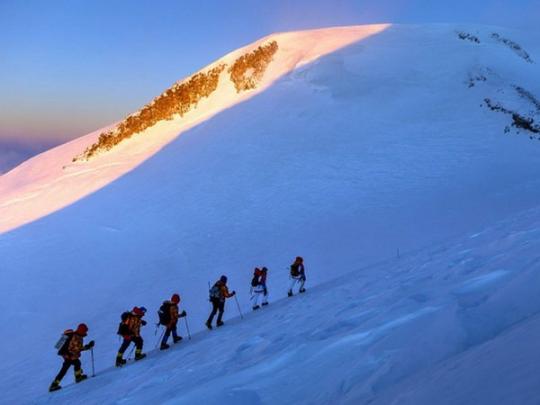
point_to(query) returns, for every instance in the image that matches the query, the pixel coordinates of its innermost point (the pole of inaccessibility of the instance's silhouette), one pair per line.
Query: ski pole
(92, 356)
(187, 327)
(238, 305)
(159, 339)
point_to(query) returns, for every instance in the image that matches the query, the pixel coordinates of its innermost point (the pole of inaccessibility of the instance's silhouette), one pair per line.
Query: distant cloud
(11, 158)
(13, 153)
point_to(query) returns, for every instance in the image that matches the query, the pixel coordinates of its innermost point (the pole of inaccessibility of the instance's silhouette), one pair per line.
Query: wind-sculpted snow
(438, 326)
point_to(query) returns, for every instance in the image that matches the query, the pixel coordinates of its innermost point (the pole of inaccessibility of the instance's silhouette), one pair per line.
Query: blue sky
(70, 67)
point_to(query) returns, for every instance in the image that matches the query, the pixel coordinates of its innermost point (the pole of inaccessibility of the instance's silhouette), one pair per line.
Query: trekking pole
(92, 356)
(159, 339)
(238, 305)
(130, 352)
(187, 327)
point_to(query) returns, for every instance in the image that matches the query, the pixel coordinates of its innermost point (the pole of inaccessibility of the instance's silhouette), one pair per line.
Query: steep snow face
(52, 181)
(384, 144)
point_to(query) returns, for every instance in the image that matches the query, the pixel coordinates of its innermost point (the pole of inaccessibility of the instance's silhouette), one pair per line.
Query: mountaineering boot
(264, 304)
(139, 355)
(164, 346)
(302, 290)
(220, 323)
(119, 360)
(208, 325)
(290, 293)
(80, 377)
(55, 386)
(177, 339)
(256, 307)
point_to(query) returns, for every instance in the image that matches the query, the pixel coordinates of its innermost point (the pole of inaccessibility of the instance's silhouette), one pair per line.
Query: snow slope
(51, 181)
(360, 141)
(455, 324)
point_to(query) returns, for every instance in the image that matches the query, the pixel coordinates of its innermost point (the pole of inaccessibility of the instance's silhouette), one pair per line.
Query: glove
(233, 293)
(89, 345)
(265, 291)
(184, 313)
(143, 322)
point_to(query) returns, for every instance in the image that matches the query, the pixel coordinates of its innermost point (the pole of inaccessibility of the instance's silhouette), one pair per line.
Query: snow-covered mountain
(349, 146)
(454, 324)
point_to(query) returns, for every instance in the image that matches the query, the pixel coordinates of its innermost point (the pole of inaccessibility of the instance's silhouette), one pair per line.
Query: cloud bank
(14, 152)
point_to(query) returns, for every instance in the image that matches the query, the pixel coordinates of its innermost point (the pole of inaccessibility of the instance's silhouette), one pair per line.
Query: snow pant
(65, 367)
(217, 305)
(259, 293)
(137, 340)
(168, 331)
(298, 279)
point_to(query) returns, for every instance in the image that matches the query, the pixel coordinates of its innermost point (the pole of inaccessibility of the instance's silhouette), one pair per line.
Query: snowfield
(455, 324)
(370, 151)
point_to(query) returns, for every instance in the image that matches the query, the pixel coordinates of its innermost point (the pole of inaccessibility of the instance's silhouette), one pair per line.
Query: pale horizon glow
(51, 181)
(70, 69)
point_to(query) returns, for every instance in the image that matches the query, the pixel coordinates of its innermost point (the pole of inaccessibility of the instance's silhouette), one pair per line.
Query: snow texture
(366, 151)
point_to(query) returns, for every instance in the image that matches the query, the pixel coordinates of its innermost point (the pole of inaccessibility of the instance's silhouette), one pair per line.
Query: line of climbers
(71, 345)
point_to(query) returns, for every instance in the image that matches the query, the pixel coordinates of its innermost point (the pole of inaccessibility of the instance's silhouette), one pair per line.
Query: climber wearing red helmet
(168, 317)
(130, 329)
(298, 275)
(71, 346)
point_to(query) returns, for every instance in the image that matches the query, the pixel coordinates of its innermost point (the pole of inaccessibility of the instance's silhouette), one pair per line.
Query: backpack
(255, 280)
(63, 343)
(164, 313)
(122, 327)
(215, 292)
(257, 275)
(294, 270)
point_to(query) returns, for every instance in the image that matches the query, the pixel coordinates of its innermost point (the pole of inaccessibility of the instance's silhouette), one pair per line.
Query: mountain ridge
(16, 182)
(365, 154)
